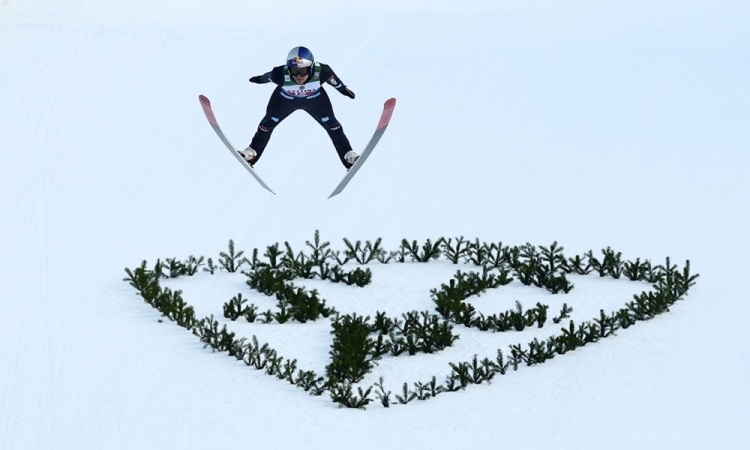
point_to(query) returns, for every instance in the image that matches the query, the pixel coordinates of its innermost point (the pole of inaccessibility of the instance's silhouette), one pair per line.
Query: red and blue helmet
(300, 61)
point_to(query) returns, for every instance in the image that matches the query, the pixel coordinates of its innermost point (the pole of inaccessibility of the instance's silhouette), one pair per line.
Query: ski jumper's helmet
(300, 61)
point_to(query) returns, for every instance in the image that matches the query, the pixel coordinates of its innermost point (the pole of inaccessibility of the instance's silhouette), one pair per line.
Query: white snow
(593, 124)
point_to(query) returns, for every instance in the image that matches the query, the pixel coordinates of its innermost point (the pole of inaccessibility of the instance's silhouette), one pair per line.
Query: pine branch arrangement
(145, 281)
(383, 395)
(458, 252)
(406, 396)
(363, 254)
(580, 265)
(427, 252)
(477, 254)
(343, 395)
(210, 266)
(321, 252)
(354, 349)
(497, 256)
(273, 254)
(564, 313)
(232, 260)
(175, 268)
(310, 382)
(635, 271)
(299, 264)
(235, 307)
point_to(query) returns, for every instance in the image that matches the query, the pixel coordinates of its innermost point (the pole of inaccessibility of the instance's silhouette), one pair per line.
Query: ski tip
(206, 105)
(385, 119)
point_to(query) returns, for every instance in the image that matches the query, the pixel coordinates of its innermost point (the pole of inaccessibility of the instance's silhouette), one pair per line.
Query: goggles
(299, 71)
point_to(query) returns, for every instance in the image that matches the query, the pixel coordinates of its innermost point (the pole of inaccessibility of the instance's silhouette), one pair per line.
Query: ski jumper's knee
(268, 124)
(329, 123)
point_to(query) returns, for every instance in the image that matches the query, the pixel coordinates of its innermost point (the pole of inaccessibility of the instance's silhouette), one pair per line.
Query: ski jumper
(309, 97)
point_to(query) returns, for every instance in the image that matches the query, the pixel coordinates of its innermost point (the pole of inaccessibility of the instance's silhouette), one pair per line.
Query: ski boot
(351, 157)
(249, 155)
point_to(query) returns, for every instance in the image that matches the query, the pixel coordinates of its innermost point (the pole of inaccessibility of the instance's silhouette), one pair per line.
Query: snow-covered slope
(597, 124)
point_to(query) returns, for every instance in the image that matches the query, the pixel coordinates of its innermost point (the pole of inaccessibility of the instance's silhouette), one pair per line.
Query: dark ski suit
(310, 97)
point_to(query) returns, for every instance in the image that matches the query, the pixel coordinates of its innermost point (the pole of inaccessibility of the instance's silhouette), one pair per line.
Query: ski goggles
(299, 71)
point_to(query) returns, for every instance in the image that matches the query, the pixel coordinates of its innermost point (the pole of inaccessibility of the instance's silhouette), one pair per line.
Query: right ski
(212, 120)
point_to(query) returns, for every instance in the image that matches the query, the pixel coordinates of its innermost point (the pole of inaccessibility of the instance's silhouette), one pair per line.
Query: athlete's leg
(321, 110)
(277, 110)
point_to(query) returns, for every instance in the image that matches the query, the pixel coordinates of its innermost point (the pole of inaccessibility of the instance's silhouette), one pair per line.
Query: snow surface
(594, 124)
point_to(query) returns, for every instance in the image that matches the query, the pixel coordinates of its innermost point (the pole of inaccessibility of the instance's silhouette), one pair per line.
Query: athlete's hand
(348, 92)
(258, 79)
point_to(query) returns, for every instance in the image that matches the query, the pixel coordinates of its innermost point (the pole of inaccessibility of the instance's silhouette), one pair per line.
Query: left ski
(212, 120)
(385, 119)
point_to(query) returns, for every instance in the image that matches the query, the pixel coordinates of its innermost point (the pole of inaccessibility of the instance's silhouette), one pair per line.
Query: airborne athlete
(300, 86)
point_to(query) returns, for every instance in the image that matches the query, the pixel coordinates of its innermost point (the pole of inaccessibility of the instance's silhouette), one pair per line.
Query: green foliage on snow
(360, 342)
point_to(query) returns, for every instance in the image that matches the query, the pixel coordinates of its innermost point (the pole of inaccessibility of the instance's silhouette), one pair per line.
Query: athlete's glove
(258, 79)
(348, 92)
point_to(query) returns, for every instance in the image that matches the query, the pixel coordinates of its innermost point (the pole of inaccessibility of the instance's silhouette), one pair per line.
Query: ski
(385, 119)
(212, 120)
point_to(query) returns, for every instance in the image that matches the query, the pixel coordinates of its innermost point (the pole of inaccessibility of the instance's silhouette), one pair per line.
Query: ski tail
(206, 105)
